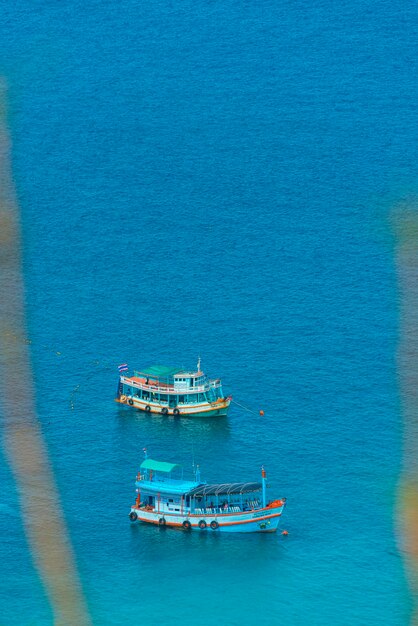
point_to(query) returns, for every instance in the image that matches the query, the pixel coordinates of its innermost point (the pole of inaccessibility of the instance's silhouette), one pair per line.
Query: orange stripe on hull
(182, 411)
(180, 525)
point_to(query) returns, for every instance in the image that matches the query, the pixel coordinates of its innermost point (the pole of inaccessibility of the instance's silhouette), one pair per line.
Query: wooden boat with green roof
(172, 391)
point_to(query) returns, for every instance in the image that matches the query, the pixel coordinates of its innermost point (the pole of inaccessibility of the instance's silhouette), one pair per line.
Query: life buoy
(164, 410)
(133, 516)
(148, 408)
(161, 521)
(186, 524)
(130, 401)
(176, 411)
(202, 524)
(276, 503)
(214, 525)
(123, 398)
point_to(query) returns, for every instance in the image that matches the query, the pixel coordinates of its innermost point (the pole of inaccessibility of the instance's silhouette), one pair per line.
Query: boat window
(181, 399)
(163, 397)
(192, 397)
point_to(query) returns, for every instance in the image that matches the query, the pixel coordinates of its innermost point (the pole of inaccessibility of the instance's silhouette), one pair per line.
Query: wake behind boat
(172, 391)
(164, 498)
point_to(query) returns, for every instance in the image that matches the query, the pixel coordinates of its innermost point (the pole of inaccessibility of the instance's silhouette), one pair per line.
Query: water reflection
(187, 430)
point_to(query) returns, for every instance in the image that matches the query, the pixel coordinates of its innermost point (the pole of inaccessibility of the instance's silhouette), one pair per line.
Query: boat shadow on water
(165, 425)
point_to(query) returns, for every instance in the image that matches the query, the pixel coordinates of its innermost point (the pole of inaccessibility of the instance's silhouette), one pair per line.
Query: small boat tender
(164, 498)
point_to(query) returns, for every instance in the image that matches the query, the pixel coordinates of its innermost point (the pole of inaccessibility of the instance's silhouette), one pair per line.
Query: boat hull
(219, 409)
(262, 520)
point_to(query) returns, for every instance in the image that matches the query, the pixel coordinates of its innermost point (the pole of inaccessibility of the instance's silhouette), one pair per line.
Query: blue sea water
(214, 178)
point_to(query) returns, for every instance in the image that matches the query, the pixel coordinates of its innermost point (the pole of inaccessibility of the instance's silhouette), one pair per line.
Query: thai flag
(123, 367)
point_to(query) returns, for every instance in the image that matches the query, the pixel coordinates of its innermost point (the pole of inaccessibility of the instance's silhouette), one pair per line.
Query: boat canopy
(158, 466)
(161, 371)
(225, 489)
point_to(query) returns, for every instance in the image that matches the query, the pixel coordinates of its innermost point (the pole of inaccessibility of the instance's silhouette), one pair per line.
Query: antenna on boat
(193, 466)
(263, 482)
(145, 452)
(198, 364)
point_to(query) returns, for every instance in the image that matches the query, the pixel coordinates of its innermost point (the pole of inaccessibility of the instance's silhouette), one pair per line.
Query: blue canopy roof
(225, 489)
(172, 487)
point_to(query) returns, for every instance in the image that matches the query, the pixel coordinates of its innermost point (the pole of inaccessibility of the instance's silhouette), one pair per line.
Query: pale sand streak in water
(405, 221)
(43, 519)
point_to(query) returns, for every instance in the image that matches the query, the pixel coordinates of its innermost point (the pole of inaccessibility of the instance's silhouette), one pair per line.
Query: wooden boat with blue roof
(172, 391)
(165, 498)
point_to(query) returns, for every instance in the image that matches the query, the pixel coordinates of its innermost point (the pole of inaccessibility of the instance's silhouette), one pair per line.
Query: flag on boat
(123, 367)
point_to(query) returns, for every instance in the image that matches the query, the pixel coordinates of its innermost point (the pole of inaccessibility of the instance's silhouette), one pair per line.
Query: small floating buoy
(261, 412)
(285, 533)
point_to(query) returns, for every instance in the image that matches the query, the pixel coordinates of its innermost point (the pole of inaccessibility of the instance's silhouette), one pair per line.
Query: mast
(263, 482)
(198, 365)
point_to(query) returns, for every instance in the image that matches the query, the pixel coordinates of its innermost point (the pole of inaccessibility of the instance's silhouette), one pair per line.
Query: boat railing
(215, 384)
(167, 388)
(250, 505)
(172, 388)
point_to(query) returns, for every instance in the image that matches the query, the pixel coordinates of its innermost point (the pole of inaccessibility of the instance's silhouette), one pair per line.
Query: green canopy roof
(160, 371)
(158, 466)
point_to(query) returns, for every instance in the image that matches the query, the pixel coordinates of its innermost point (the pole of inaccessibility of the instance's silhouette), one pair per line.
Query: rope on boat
(245, 407)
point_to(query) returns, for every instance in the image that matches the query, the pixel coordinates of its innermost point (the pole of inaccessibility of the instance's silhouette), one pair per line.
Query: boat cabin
(161, 487)
(171, 387)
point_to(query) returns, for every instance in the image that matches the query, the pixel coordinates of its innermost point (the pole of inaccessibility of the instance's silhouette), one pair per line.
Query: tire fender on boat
(148, 408)
(202, 524)
(187, 525)
(161, 521)
(176, 411)
(214, 525)
(122, 398)
(130, 401)
(164, 410)
(133, 516)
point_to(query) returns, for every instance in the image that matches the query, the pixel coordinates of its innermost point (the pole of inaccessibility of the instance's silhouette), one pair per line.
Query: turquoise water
(213, 179)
